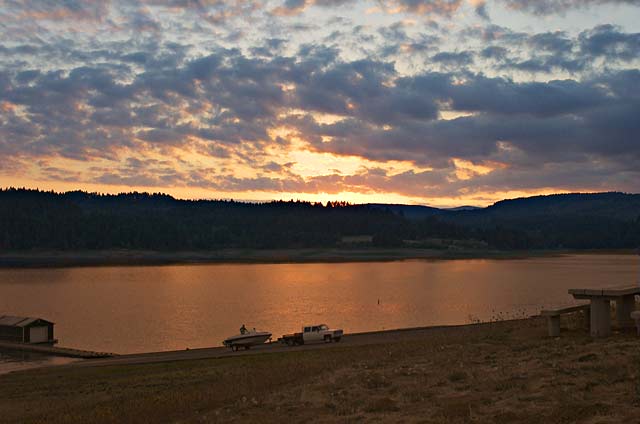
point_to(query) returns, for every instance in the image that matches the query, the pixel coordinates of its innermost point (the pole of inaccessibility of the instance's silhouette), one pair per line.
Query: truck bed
(293, 338)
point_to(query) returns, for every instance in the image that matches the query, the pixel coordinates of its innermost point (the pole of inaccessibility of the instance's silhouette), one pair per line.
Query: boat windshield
(323, 327)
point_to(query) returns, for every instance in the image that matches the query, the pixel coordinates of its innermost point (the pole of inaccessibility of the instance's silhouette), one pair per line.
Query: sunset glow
(437, 102)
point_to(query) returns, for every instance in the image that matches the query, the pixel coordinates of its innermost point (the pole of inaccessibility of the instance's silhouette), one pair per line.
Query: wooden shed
(26, 330)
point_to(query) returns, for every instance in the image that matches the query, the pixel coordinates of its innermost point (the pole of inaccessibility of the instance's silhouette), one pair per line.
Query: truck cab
(320, 333)
(312, 334)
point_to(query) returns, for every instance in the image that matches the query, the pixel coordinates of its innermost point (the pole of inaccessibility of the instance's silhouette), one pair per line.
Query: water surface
(137, 309)
(16, 361)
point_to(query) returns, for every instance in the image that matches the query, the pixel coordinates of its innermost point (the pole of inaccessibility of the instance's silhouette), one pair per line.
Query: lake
(16, 361)
(138, 308)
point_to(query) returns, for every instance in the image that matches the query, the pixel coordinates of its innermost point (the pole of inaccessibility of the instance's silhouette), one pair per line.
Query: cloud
(547, 7)
(609, 42)
(233, 100)
(83, 10)
(502, 96)
(482, 10)
(455, 59)
(423, 7)
(420, 7)
(550, 52)
(494, 52)
(206, 95)
(295, 7)
(558, 121)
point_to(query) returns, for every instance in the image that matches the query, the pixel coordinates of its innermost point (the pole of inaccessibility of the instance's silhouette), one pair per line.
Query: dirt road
(354, 339)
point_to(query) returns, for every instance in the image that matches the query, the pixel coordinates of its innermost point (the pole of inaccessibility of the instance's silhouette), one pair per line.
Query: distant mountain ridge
(419, 211)
(610, 204)
(463, 208)
(616, 205)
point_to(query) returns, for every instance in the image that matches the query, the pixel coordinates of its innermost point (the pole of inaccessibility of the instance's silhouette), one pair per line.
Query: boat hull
(247, 340)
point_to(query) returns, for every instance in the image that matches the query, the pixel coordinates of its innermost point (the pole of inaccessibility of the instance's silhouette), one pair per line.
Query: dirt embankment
(500, 372)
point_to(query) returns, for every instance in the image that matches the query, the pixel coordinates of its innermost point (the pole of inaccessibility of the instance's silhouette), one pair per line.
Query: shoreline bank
(506, 371)
(64, 259)
(398, 335)
(51, 350)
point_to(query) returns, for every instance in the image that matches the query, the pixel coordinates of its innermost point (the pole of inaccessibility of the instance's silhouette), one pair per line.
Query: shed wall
(27, 332)
(11, 333)
(38, 334)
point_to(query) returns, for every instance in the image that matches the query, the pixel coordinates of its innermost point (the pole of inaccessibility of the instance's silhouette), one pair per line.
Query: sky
(437, 102)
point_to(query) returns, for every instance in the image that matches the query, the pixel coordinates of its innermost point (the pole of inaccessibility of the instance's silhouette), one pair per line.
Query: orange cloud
(422, 7)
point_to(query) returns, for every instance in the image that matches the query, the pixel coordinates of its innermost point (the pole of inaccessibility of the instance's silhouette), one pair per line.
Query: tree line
(33, 219)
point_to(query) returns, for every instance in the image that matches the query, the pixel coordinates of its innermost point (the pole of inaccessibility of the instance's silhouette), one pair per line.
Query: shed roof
(11, 321)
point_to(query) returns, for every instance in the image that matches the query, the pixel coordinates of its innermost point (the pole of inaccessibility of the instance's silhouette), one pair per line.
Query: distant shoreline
(63, 259)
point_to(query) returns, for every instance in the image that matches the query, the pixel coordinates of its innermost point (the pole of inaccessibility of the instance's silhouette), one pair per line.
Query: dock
(54, 351)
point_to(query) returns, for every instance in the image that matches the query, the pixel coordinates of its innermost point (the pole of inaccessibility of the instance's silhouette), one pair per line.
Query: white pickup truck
(312, 334)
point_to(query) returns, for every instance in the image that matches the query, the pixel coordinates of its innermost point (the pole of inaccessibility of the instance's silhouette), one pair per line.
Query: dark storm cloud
(395, 33)
(294, 7)
(456, 59)
(546, 7)
(493, 33)
(482, 11)
(501, 96)
(141, 21)
(516, 123)
(554, 42)
(557, 51)
(546, 64)
(424, 7)
(609, 42)
(271, 47)
(494, 52)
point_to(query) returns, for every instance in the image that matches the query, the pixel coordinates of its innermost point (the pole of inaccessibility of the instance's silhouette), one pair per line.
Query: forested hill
(609, 205)
(78, 220)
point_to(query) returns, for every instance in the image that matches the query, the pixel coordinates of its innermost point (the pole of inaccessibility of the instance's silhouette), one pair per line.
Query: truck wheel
(327, 339)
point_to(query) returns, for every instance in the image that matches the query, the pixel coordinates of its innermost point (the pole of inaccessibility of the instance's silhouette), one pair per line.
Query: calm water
(137, 309)
(15, 361)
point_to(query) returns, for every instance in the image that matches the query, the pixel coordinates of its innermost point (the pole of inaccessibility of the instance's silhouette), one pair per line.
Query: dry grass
(501, 372)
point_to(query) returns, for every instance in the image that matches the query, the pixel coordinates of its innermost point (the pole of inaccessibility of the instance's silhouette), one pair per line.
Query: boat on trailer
(247, 339)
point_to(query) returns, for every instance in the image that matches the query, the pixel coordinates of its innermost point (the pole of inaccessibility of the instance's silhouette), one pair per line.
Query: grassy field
(495, 373)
